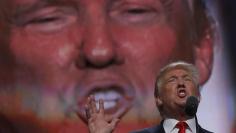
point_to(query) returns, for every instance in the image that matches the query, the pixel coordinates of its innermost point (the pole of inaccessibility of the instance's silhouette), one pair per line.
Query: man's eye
(48, 19)
(188, 79)
(48, 24)
(134, 15)
(171, 80)
(43, 20)
(142, 12)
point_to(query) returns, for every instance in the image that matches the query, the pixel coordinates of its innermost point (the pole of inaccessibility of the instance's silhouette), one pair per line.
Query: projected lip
(117, 97)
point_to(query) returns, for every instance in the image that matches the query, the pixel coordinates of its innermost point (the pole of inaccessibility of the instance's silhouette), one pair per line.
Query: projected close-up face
(66, 50)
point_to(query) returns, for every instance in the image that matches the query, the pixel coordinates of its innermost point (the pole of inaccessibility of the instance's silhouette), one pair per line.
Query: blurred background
(217, 110)
(228, 15)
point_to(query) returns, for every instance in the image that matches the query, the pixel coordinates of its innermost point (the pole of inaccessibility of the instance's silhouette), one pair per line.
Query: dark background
(228, 14)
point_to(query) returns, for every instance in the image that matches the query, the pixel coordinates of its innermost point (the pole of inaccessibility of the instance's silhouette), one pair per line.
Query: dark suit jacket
(160, 129)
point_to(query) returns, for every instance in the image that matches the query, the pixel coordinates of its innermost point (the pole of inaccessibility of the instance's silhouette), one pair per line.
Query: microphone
(191, 106)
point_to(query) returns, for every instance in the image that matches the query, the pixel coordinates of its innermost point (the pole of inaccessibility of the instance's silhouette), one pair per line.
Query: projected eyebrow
(27, 8)
(24, 9)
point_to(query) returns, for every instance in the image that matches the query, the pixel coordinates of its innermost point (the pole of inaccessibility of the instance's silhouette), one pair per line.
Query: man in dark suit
(177, 96)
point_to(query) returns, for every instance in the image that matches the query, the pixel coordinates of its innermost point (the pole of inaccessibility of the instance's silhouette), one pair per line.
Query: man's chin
(181, 101)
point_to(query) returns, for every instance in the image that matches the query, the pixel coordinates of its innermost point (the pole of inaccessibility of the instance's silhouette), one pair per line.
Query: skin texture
(64, 51)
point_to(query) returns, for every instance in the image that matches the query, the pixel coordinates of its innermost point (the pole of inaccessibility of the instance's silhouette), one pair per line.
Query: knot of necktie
(181, 126)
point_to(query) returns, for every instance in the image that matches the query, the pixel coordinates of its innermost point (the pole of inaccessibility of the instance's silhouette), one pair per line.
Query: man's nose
(181, 86)
(98, 46)
(181, 83)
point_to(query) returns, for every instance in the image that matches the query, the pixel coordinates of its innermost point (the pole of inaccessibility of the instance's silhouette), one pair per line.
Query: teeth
(182, 93)
(107, 96)
(110, 98)
(107, 105)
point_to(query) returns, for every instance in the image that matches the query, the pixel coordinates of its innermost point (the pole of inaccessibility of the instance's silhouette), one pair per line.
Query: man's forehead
(177, 71)
(33, 2)
(21, 5)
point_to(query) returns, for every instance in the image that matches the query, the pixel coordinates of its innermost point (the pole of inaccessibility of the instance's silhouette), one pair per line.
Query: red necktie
(181, 126)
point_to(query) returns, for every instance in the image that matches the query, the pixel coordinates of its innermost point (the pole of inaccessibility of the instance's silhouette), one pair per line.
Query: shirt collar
(192, 124)
(169, 124)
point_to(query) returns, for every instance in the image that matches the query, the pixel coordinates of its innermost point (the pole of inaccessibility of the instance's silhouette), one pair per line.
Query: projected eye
(48, 19)
(47, 24)
(135, 14)
(45, 20)
(50, 23)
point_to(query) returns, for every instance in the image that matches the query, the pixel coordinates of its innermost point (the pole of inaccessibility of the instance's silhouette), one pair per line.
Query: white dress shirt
(169, 126)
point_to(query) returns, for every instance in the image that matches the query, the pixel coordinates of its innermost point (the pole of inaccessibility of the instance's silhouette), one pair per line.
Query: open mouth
(110, 97)
(181, 92)
(117, 99)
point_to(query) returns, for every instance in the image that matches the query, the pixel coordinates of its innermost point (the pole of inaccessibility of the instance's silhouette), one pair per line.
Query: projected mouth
(110, 98)
(117, 98)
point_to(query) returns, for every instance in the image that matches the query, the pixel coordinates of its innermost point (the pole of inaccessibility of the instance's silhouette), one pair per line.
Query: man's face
(178, 84)
(66, 50)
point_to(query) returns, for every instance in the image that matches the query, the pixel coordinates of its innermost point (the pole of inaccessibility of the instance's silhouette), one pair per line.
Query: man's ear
(204, 56)
(158, 101)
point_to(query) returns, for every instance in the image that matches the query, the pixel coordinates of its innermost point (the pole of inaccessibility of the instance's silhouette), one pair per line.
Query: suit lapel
(160, 128)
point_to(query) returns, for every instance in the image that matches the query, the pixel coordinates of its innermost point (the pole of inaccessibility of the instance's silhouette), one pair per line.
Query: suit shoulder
(206, 131)
(154, 129)
(202, 130)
